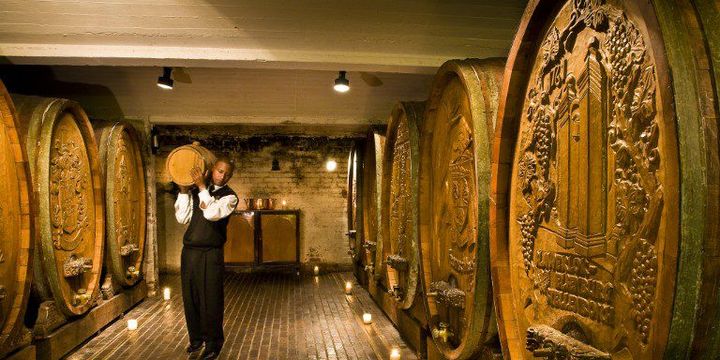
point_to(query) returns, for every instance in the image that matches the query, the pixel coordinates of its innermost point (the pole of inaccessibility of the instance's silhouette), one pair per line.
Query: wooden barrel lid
(66, 177)
(16, 228)
(399, 202)
(372, 183)
(182, 159)
(454, 177)
(605, 177)
(124, 176)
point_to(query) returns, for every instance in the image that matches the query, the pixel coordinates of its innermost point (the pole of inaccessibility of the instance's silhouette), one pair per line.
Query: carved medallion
(587, 197)
(69, 186)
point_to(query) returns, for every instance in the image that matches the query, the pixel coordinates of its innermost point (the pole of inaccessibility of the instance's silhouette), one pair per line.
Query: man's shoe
(193, 347)
(210, 354)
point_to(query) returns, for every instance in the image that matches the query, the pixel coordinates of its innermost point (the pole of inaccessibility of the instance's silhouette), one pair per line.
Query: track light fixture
(166, 81)
(341, 83)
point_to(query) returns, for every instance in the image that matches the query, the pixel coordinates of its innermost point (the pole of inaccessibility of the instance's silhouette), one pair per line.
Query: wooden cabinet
(260, 238)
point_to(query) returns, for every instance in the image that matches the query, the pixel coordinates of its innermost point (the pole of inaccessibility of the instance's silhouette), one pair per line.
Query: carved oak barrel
(66, 178)
(372, 183)
(16, 229)
(123, 174)
(604, 236)
(354, 208)
(183, 158)
(399, 202)
(454, 178)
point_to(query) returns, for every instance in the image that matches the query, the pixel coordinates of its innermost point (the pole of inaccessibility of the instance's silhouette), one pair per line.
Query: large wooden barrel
(454, 178)
(16, 229)
(71, 212)
(123, 174)
(183, 158)
(604, 236)
(354, 208)
(399, 204)
(372, 182)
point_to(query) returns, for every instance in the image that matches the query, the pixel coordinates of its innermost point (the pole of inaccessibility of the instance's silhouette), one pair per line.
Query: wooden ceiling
(278, 58)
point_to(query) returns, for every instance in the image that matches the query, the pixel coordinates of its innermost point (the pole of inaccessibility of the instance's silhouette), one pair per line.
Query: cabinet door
(279, 237)
(240, 245)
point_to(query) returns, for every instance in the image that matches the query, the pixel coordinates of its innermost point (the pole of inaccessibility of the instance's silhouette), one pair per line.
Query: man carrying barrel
(207, 208)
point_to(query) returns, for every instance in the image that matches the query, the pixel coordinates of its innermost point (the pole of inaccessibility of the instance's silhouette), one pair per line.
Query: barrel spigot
(76, 266)
(128, 249)
(396, 292)
(132, 272)
(442, 333)
(80, 297)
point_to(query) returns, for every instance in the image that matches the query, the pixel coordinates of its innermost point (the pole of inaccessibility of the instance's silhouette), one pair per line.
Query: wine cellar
(360, 180)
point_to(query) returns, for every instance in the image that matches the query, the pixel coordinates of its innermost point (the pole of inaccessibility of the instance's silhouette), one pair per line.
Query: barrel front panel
(125, 198)
(454, 204)
(399, 201)
(591, 242)
(72, 215)
(372, 177)
(15, 228)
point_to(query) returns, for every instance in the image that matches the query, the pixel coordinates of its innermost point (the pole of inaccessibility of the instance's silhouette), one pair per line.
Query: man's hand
(184, 189)
(198, 177)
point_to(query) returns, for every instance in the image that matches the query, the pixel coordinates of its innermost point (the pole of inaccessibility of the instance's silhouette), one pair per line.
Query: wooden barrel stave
(399, 203)
(453, 228)
(66, 178)
(183, 158)
(653, 254)
(16, 230)
(123, 174)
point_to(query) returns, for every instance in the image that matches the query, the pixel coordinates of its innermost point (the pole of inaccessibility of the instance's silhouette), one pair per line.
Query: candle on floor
(166, 293)
(395, 354)
(316, 270)
(132, 324)
(348, 288)
(367, 318)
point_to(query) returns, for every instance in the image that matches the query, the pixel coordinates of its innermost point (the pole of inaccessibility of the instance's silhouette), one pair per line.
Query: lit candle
(132, 324)
(367, 318)
(166, 293)
(348, 287)
(395, 354)
(316, 270)
(284, 204)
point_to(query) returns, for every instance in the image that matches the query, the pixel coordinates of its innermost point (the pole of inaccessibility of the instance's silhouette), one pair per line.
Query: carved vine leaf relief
(67, 194)
(588, 162)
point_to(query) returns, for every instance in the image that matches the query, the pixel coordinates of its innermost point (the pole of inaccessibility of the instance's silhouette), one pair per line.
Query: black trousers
(201, 274)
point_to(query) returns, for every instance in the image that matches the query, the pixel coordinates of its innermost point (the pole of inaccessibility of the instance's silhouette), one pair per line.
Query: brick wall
(302, 181)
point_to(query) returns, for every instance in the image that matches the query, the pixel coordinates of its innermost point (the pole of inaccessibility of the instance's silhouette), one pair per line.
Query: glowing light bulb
(348, 287)
(166, 293)
(331, 165)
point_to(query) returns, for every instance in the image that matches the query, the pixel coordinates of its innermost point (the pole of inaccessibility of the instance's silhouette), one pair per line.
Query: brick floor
(267, 316)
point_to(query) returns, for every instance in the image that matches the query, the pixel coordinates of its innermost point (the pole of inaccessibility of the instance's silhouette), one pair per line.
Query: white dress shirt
(213, 209)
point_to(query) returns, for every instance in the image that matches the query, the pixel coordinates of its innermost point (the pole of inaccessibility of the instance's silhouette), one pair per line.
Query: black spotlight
(341, 83)
(165, 81)
(275, 165)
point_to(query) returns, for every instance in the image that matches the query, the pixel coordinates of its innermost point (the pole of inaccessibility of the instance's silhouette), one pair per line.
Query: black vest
(203, 233)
